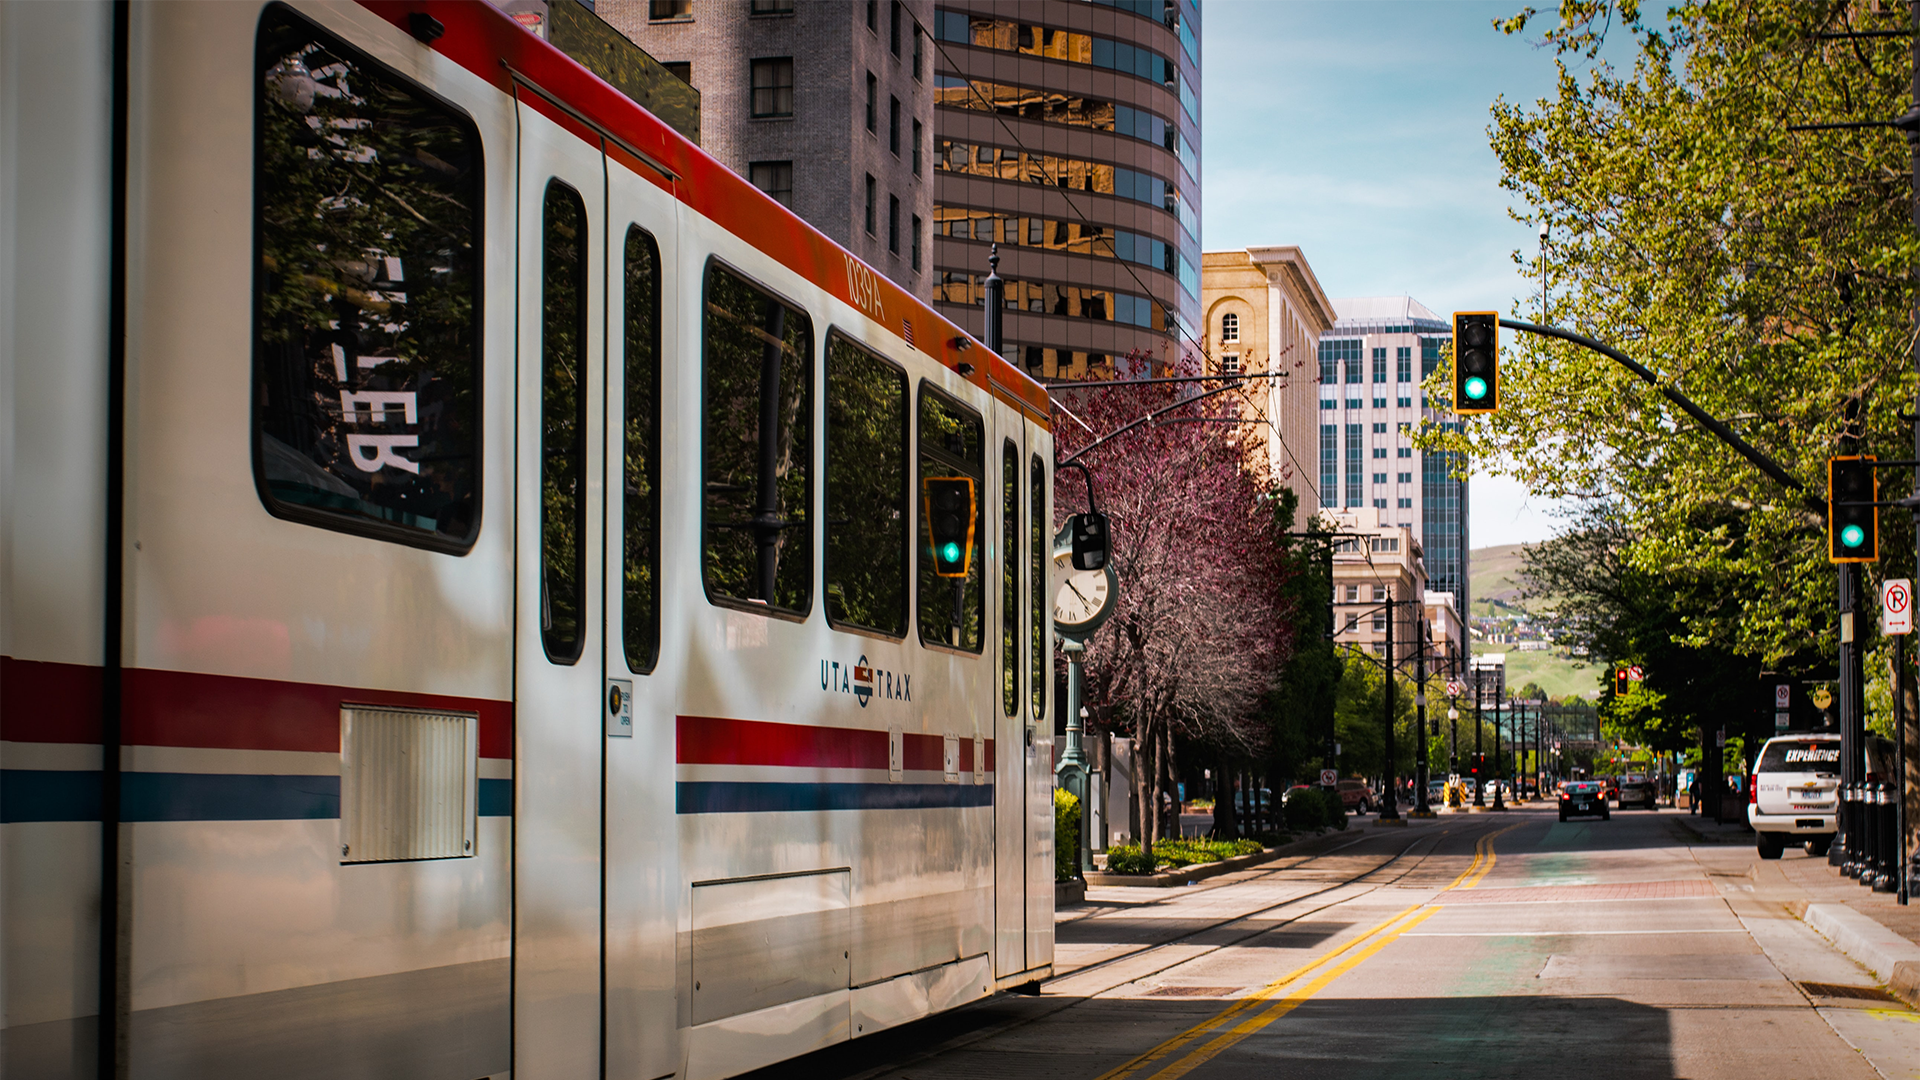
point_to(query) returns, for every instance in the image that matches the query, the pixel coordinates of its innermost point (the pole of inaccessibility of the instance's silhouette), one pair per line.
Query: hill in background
(1493, 575)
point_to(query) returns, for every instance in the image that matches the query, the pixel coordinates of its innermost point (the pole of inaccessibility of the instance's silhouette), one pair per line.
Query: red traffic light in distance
(1476, 362)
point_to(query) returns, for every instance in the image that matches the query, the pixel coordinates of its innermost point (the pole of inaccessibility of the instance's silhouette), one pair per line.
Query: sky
(1357, 129)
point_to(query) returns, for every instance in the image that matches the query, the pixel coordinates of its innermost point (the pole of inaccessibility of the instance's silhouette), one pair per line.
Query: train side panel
(56, 71)
(255, 946)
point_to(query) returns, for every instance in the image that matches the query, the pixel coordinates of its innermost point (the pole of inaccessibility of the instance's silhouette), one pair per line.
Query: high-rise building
(1265, 312)
(1372, 362)
(1068, 133)
(827, 107)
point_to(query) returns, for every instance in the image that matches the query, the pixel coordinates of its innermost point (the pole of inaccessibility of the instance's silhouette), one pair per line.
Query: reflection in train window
(758, 445)
(640, 474)
(952, 443)
(366, 295)
(563, 423)
(866, 553)
(1039, 550)
(1010, 579)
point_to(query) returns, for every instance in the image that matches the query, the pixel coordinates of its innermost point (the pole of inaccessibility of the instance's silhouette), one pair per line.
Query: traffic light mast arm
(1724, 433)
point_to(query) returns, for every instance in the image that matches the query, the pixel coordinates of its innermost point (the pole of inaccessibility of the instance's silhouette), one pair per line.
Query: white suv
(1793, 794)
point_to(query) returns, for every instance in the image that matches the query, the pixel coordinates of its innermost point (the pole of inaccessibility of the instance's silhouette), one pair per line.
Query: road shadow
(1498, 1038)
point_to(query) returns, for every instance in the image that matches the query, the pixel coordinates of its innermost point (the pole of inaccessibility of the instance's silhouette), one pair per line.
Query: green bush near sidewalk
(1066, 835)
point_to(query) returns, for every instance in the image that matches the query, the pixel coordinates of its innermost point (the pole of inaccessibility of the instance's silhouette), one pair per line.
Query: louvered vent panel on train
(407, 784)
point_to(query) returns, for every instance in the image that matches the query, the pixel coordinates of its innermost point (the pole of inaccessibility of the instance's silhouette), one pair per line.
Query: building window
(1379, 451)
(1403, 451)
(1379, 403)
(873, 97)
(773, 86)
(775, 178)
(918, 139)
(1230, 364)
(1353, 403)
(893, 29)
(1380, 623)
(1380, 429)
(1404, 403)
(1229, 328)
(1355, 471)
(680, 69)
(893, 224)
(771, 7)
(1406, 504)
(893, 125)
(1379, 365)
(1329, 463)
(1379, 504)
(873, 15)
(1403, 364)
(1353, 594)
(1379, 478)
(1353, 366)
(914, 240)
(917, 37)
(1404, 478)
(669, 10)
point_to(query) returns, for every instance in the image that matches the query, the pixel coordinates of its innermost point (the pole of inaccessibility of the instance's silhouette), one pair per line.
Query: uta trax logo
(864, 681)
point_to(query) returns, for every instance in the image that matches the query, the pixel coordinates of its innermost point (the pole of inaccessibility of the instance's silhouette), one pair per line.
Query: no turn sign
(1896, 606)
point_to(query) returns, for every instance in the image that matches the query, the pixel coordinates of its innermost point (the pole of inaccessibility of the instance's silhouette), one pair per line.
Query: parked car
(1583, 798)
(1794, 785)
(1638, 789)
(1436, 792)
(1612, 784)
(1356, 796)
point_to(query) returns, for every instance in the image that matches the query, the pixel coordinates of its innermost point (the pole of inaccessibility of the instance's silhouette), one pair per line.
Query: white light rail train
(468, 604)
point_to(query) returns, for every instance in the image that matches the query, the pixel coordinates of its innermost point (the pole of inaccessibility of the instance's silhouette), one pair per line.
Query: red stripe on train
(713, 740)
(45, 702)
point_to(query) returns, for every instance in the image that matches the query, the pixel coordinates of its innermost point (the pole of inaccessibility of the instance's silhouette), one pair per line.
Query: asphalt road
(1479, 945)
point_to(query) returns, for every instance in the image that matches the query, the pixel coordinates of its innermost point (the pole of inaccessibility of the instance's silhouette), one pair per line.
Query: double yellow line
(1206, 1040)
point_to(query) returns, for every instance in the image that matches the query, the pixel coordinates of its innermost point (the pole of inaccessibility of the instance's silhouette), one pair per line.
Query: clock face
(1083, 596)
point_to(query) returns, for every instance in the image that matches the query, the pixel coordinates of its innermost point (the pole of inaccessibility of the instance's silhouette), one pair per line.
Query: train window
(866, 553)
(366, 306)
(952, 443)
(563, 423)
(640, 474)
(1010, 579)
(758, 447)
(1038, 550)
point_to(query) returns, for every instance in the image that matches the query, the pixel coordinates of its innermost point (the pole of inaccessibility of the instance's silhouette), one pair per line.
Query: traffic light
(1619, 682)
(1091, 539)
(950, 519)
(1853, 522)
(1476, 361)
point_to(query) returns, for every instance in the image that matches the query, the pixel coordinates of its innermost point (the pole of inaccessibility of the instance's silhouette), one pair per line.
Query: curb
(1893, 959)
(1066, 893)
(1187, 875)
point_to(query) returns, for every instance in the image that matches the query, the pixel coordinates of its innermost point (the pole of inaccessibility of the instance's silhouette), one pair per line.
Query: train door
(642, 843)
(561, 204)
(1039, 730)
(1012, 750)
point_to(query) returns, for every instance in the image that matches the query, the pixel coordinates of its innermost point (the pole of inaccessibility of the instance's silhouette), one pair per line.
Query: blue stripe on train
(726, 797)
(42, 795)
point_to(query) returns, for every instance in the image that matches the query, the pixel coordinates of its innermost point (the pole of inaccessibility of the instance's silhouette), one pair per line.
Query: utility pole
(1479, 782)
(1423, 635)
(1390, 803)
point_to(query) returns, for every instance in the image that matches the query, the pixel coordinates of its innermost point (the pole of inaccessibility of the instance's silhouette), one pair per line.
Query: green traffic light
(1853, 536)
(950, 553)
(1475, 387)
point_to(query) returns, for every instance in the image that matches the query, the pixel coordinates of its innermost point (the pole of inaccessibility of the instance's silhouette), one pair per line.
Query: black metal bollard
(1837, 847)
(1887, 877)
(1869, 836)
(1850, 806)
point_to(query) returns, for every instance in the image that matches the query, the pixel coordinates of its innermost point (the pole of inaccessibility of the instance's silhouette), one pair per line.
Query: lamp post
(1420, 807)
(1453, 738)
(1479, 782)
(1499, 759)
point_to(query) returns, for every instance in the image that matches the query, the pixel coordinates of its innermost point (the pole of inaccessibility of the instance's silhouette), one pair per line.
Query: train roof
(487, 42)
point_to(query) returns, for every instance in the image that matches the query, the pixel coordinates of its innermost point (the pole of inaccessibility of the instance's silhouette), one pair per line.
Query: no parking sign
(1896, 606)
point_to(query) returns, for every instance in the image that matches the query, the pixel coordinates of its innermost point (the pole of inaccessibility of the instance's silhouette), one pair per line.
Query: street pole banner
(1896, 606)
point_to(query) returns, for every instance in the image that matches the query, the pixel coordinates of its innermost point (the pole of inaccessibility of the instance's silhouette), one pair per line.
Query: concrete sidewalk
(1872, 928)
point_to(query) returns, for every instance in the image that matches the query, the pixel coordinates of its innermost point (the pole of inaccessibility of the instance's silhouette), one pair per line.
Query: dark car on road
(1637, 789)
(1583, 798)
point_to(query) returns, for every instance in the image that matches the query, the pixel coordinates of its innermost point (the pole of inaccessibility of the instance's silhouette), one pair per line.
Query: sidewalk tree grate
(1194, 991)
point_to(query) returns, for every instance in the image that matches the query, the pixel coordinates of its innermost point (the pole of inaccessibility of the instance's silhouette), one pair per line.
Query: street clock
(1084, 600)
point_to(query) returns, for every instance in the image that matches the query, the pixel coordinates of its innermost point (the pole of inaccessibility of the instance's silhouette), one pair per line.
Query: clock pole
(1071, 773)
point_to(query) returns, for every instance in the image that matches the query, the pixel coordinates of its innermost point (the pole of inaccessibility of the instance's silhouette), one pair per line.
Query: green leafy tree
(1764, 272)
